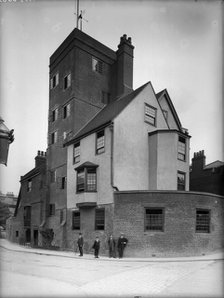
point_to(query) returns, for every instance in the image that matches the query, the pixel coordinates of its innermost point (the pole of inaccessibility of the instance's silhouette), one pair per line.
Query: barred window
(154, 219)
(150, 114)
(203, 221)
(76, 220)
(100, 219)
(100, 142)
(76, 153)
(180, 181)
(181, 148)
(97, 65)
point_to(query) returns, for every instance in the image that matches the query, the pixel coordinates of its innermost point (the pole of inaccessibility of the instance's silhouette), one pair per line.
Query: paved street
(27, 272)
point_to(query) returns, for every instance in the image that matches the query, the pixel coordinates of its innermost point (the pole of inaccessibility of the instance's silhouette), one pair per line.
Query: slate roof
(214, 164)
(106, 115)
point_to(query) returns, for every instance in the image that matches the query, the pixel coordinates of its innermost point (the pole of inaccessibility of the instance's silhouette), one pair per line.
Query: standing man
(111, 245)
(80, 244)
(96, 247)
(122, 242)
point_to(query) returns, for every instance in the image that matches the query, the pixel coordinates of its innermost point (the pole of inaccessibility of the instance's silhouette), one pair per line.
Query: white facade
(137, 154)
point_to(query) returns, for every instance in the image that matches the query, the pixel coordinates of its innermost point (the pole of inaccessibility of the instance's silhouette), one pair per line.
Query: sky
(178, 46)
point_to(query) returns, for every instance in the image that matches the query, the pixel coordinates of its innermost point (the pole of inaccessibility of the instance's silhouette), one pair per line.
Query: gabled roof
(214, 164)
(107, 114)
(159, 97)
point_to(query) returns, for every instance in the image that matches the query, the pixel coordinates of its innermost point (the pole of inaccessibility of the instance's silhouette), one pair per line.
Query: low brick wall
(179, 237)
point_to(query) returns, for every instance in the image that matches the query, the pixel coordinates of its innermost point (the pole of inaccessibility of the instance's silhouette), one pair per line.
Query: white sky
(178, 46)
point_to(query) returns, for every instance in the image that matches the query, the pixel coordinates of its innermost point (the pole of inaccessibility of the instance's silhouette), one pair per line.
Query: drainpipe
(112, 157)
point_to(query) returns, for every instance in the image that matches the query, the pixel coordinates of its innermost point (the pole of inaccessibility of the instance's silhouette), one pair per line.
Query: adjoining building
(117, 161)
(206, 178)
(30, 213)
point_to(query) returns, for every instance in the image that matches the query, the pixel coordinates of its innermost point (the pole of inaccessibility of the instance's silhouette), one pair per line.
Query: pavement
(69, 254)
(65, 274)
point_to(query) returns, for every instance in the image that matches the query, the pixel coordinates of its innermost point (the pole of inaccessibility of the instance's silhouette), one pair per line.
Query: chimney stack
(40, 159)
(125, 66)
(198, 161)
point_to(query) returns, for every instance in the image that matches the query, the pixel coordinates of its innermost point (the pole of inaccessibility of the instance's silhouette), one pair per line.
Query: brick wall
(179, 237)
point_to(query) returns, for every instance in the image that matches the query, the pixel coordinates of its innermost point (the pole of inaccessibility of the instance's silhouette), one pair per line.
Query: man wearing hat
(121, 244)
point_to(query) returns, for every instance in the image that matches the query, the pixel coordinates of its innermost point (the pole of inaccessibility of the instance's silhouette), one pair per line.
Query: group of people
(113, 248)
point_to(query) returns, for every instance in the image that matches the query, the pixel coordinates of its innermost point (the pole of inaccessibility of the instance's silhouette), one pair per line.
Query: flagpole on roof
(77, 15)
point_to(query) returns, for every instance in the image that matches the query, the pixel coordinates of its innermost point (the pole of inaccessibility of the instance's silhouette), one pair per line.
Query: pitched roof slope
(107, 114)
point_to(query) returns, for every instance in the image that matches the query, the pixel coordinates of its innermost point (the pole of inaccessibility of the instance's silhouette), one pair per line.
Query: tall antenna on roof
(79, 16)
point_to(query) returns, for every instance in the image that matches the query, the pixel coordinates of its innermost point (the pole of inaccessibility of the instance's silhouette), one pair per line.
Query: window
(97, 65)
(100, 142)
(27, 215)
(53, 176)
(165, 113)
(105, 97)
(54, 137)
(76, 220)
(99, 219)
(150, 114)
(67, 81)
(51, 209)
(66, 111)
(54, 115)
(154, 219)
(54, 81)
(86, 180)
(76, 153)
(181, 148)
(61, 216)
(63, 182)
(29, 185)
(203, 221)
(180, 181)
(17, 233)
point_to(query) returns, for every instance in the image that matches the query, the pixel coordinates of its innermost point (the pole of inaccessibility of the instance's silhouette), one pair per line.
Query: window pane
(80, 181)
(91, 180)
(76, 220)
(100, 219)
(154, 219)
(203, 221)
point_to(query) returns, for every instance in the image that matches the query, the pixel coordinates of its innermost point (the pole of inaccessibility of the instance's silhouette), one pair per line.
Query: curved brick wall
(179, 237)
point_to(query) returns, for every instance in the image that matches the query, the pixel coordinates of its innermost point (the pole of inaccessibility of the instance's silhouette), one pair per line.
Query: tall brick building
(117, 161)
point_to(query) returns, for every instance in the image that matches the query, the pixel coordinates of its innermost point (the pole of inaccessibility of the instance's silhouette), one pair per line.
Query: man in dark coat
(122, 242)
(111, 245)
(80, 244)
(96, 247)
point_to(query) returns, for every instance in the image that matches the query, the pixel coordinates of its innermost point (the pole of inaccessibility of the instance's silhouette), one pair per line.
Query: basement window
(154, 219)
(203, 221)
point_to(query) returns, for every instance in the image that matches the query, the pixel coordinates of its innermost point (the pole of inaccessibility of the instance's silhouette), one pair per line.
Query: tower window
(54, 115)
(54, 81)
(66, 111)
(67, 81)
(54, 137)
(29, 185)
(97, 65)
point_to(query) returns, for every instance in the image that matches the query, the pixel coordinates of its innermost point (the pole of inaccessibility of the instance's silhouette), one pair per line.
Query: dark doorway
(35, 237)
(28, 236)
